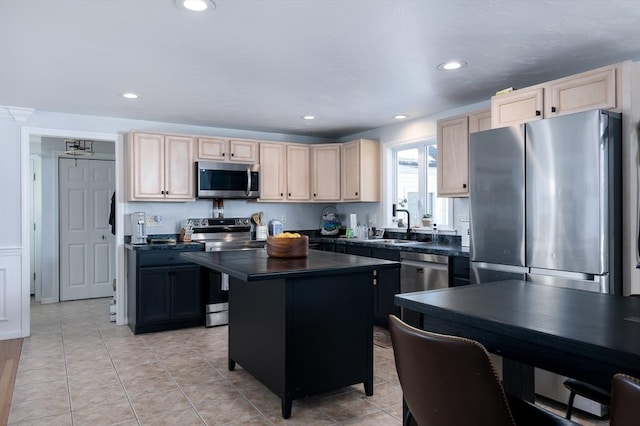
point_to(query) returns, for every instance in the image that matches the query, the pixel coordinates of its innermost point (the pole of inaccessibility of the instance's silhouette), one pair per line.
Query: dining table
(585, 335)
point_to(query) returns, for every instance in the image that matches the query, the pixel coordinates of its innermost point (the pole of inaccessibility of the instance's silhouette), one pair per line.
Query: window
(416, 183)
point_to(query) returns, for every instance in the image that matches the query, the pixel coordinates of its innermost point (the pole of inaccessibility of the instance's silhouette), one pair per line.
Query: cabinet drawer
(161, 258)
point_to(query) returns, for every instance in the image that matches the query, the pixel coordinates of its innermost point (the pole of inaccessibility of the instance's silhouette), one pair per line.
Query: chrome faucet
(395, 209)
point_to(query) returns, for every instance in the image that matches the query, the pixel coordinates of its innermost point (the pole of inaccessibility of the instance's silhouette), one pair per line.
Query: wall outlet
(283, 219)
(150, 221)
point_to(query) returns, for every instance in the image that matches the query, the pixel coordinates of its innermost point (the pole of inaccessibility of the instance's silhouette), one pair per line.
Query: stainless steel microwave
(227, 180)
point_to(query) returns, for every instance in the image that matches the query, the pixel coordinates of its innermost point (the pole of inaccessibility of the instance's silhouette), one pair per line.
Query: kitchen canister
(261, 233)
(275, 227)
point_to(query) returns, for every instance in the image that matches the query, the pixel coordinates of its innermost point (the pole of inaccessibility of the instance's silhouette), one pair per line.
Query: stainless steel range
(224, 234)
(221, 234)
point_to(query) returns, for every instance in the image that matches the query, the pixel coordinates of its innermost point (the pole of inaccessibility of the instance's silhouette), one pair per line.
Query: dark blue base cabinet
(163, 292)
(303, 336)
(386, 283)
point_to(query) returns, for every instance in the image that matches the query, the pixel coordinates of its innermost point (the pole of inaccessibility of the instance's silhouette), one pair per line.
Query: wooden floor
(9, 357)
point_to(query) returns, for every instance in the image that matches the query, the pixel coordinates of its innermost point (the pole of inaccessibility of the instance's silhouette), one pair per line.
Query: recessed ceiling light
(452, 65)
(400, 116)
(309, 117)
(130, 95)
(195, 5)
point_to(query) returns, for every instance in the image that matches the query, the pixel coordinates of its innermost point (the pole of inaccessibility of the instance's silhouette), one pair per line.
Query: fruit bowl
(291, 247)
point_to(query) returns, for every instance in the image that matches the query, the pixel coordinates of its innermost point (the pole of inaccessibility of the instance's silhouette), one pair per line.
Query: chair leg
(408, 419)
(572, 396)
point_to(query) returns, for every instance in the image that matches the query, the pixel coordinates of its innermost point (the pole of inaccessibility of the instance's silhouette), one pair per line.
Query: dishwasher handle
(423, 265)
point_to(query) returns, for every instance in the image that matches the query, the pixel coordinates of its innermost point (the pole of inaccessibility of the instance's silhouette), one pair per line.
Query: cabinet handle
(553, 109)
(356, 193)
(232, 154)
(289, 194)
(223, 154)
(464, 185)
(538, 113)
(162, 192)
(314, 195)
(281, 194)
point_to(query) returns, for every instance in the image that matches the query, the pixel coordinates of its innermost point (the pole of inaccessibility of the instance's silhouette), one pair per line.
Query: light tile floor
(78, 368)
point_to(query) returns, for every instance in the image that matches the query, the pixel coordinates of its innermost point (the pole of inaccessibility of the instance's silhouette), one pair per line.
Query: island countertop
(255, 265)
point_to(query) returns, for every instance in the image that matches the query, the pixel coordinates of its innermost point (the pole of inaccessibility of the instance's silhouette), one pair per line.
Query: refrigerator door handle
(565, 274)
(501, 268)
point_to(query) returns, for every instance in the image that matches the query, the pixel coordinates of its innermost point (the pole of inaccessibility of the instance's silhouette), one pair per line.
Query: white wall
(13, 261)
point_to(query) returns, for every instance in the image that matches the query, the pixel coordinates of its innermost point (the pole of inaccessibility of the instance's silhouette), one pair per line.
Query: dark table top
(253, 265)
(559, 329)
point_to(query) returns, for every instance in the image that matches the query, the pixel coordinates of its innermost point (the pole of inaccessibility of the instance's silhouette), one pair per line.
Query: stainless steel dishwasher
(419, 272)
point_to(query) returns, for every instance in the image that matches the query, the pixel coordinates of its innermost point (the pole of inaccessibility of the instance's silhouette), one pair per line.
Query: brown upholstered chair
(625, 401)
(449, 380)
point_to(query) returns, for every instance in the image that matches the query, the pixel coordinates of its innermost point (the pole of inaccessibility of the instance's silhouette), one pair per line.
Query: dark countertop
(441, 248)
(254, 265)
(446, 249)
(581, 334)
(179, 246)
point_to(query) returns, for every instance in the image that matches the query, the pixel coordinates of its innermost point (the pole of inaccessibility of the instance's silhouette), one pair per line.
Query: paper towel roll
(353, 221)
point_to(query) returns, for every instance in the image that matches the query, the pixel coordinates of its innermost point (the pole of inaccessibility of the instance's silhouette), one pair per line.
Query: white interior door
(87, 248)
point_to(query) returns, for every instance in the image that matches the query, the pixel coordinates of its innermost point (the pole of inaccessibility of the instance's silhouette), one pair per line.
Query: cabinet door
(272, 171)
(179, 168)
(212, 149)
(242, 151)
(479, 121)
(351, 171)
(361, 170)
(517, 107)
(326, 172)
(298, 185)
(146, 167)
(186, 299)
(387, 286)
(358, 250)
(453, 157)
(154, 295)
(582, 92)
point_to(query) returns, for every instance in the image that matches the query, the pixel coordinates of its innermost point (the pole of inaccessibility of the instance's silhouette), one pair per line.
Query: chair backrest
(625, 401)
(447, 380)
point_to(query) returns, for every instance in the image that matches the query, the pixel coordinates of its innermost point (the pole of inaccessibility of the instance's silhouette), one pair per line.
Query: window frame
(421, 145)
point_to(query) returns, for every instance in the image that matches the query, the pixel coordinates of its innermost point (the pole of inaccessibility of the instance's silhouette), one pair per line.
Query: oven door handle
(248, 181)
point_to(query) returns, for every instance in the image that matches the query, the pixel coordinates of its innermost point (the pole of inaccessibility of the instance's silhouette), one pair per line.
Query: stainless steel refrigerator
(545, 203)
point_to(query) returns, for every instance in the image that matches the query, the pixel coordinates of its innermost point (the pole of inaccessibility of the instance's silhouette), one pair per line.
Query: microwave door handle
(248, 181)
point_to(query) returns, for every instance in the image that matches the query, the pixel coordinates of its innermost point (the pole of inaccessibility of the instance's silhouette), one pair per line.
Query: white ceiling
(262, 64)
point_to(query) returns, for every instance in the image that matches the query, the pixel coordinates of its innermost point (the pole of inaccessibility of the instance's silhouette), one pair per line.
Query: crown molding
(19, 114)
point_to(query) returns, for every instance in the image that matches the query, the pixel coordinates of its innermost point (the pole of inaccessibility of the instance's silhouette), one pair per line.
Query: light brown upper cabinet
(160, 167)
(361, 170)
(593, 89)
(298, 176)
(479, 121)
(590, 90)
(453, 156)
(284, 172)
(517, 107)
(325, 171)
(273, 171)
(231, 150)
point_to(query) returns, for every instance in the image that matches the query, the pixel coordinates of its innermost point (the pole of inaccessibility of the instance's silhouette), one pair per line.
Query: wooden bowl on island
(283, 247)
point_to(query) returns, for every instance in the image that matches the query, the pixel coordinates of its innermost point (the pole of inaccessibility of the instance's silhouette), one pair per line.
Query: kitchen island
(300, 326)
